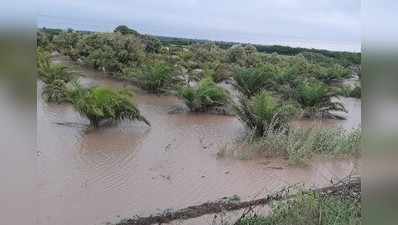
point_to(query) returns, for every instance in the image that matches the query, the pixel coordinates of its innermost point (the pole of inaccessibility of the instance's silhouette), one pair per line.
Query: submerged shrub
(54, 72)
(250, 81)
(348, 91)
(263, 111)
(335, 72)
(316, 99)
(49, 72)
(56, 92)
(100, 103)
(356, 92)
(155, 78)
(54, 76)
(207, 94)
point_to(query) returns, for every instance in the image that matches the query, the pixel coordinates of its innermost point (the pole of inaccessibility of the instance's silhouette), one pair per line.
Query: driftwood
(348, 185)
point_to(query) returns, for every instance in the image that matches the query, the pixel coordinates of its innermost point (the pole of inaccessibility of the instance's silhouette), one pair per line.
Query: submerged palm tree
(263, 111)
(54, 76)
(207, 94)
(316, 99)
(98, 104)
(250, 81)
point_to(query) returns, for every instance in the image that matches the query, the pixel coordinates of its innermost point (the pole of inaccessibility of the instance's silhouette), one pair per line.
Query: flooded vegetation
(99, 161)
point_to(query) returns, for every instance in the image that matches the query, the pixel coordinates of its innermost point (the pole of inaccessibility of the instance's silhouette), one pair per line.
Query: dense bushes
(128, 55)
(99, 104)
(207, 94)
(111, 52)
(126, 48)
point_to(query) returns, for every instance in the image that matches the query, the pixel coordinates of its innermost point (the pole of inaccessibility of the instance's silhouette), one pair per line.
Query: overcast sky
(328, 24)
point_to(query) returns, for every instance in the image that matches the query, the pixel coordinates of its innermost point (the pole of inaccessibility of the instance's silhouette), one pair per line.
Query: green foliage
(222, 72)
(348, 91)
(152, 45)
(123, 29)
(316, 98)
(111, 52)
(66, 42)
(263, 111)
(335, 72)
(299, 144)
(242, 55)
(52, 72)
(207, 94)
(99, 104)
(42, 61)
(54, 76)
(56, 91)
(356, 92)
(250, 81)
(312, 209)
(155, 78)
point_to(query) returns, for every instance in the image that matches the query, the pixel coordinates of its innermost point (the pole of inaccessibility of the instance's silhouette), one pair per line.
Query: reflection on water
(95, 176)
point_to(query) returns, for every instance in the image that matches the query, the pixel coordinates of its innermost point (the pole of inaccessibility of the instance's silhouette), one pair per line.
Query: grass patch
(311, 209)
(300, 144)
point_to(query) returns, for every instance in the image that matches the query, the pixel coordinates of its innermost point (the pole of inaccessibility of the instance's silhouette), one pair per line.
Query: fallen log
(344, 186)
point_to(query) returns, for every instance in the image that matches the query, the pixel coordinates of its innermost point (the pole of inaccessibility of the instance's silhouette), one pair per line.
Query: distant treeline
(347, 58)
(341, 57)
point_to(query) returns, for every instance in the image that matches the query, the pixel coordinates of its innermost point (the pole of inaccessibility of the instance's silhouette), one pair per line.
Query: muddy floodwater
(119, 171)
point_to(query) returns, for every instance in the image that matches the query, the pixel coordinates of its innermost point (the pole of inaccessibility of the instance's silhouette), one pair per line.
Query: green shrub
(55, 72)
(99, 104)
(218, 71)
(356, 92)
(335, 72)
(155, 78)
(299, 144)
(42, 61)
(56, 92)
(250, 81)
(348, 91)
(207, 94)
(316, 99)
(48, 71)
(54, 76)
(263, 111)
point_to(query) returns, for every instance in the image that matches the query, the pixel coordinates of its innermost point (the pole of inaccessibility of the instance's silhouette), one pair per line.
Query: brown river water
(119, 171)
